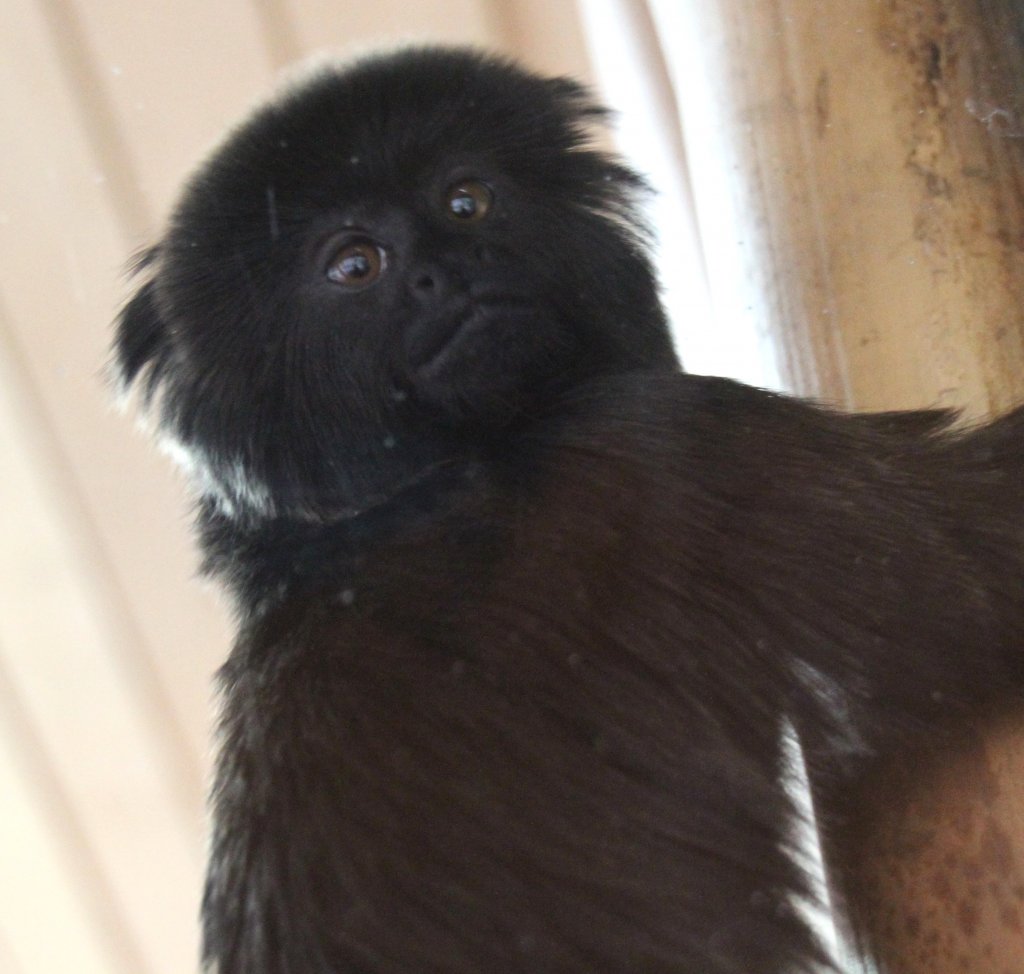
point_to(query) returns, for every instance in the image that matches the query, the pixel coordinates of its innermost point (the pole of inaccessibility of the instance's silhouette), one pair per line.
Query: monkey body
(523, 610)
(533, 724)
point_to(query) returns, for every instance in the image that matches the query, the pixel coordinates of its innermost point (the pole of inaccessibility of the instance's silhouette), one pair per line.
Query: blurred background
(836, 216)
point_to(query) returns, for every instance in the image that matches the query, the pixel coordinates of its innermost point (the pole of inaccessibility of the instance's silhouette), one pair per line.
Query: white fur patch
(835, 702)
(819, 908)
(227, 483)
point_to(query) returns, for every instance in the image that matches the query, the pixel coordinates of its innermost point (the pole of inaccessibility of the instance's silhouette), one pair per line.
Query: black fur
(520, 619)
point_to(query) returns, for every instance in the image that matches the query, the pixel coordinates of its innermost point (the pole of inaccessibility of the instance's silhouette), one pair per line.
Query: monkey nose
(425, 283)
(431, 283)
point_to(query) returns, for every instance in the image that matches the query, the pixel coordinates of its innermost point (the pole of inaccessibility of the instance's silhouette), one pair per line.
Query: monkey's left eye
(468, 200)
(357, 264)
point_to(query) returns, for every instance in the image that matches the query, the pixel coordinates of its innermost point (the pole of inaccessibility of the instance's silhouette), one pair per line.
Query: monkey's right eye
(357, 264)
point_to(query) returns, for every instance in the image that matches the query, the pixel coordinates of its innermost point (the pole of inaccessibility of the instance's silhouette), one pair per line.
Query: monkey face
(446, 313)
(380, 270)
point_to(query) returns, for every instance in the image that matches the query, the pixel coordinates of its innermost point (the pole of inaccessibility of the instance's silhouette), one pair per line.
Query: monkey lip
(430, 352)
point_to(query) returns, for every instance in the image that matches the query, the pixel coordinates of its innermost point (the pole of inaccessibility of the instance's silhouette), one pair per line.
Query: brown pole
(878, 147)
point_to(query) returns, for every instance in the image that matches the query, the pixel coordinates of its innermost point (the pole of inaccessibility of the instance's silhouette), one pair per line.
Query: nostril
(433, 282)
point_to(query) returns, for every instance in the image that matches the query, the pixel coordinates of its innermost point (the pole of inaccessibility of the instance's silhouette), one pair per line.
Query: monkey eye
(468, 200)
(357, 264)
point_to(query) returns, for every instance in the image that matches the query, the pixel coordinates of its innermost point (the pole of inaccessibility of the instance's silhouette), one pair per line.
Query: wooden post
(878, 152)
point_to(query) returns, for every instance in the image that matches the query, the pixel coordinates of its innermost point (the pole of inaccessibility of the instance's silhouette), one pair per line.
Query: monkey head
(384, 269)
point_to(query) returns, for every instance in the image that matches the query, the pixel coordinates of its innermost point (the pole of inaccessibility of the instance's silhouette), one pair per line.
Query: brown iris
(357, 264)
(469, 200)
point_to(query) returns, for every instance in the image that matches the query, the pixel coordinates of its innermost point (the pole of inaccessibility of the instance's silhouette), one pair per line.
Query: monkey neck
(264, 561)
(477, 493)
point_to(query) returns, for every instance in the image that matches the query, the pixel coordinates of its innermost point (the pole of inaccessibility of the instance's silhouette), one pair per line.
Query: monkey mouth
(434, 345)
(436, 342)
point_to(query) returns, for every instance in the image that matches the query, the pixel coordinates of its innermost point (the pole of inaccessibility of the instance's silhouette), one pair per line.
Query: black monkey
(522, 607)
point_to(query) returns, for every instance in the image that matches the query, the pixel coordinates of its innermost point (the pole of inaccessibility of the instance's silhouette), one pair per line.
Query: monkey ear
(142, 342)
